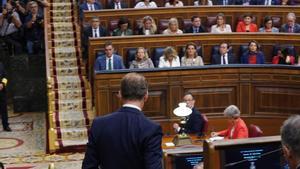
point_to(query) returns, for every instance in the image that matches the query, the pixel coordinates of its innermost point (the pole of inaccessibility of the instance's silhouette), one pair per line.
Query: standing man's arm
(153, 151)
(90, 160)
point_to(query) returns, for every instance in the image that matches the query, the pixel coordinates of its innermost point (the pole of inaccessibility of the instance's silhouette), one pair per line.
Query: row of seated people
(91, 5)
(217, 24)
(22, 24)
(191, 56)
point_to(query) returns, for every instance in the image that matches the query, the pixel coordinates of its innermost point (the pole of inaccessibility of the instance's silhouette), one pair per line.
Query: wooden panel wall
(206, 41)
(261, 96)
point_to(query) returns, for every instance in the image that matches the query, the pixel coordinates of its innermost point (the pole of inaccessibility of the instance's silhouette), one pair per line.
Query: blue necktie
(109, 64)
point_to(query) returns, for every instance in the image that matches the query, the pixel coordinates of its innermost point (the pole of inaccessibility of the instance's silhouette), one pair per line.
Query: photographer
(34, 29)
(9, 27)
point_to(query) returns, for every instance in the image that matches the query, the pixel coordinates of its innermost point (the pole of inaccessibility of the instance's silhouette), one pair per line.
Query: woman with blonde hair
(173, 28)
(191, 57)
(148, 27)
(169, 59)
(221, 26)
(142, 60)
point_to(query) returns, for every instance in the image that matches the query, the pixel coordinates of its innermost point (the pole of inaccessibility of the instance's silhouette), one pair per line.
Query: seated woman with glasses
(221, 27)
(253, 55)
(169, 59)
(173, 28)
(142, 60)
(237, 128)
(148, 27)
(191, 57)
(246, 25)
(123, 28)
(268, 25)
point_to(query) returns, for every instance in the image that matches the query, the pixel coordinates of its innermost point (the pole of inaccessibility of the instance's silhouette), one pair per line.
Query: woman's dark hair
(254, 41)
(267, 19)
(248, 15)
(123, 20)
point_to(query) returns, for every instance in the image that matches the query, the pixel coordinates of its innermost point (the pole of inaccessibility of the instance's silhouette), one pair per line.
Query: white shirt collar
(132, 106)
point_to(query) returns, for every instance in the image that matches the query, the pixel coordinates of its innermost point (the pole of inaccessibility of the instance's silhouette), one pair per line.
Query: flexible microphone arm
(265, 154)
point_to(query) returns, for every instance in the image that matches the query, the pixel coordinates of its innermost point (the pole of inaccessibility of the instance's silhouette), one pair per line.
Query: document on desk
(215, 138)
(170, 144)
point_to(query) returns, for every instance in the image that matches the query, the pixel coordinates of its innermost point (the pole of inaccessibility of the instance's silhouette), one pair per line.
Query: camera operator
(9, 27)
(34, 29)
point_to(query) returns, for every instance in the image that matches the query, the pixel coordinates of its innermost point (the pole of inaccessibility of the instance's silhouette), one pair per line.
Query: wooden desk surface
(195, 147)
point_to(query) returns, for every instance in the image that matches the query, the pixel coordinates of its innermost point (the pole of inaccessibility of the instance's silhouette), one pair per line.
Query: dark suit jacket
(260, 58)
(262, 2)
(285, 28)
(216, 59)
(2, 76)
(220, 2)
(88, 32)
(200, 30)
(84, 7)
(111, 5)
(100, 63)
(195, 123)
(125, 139)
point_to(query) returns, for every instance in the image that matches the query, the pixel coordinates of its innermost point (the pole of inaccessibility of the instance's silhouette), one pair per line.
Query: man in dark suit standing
(125, 139)
(223, 57)
(3, 104)
(195, 123)
(291, 26)
(109, 61)
(117, 4)
(95, 31)
(196, 26)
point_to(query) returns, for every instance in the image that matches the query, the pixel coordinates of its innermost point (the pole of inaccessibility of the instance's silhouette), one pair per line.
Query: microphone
(241, 161)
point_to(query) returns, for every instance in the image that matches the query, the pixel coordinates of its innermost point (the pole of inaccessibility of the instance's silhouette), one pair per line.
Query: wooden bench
(206, 41)
(207, 13)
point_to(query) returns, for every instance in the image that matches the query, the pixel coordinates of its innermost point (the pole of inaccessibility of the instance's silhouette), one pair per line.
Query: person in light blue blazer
(268, 25)
(109, 61)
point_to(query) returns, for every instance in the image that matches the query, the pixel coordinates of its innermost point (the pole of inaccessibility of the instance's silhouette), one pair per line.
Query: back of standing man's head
(134, 87)
(290, 135)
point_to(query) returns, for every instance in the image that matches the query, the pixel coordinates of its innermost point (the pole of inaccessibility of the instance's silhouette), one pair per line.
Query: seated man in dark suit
(89, 5)
(196, 26)
(117, 4)
(195, 123)
(291, 26)
(223, 2)
(266, 2)
(95, 31)
(109, 61)
(223, 57)
(125, 139)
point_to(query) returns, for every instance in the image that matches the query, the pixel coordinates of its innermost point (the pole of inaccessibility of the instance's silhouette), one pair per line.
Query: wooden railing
(232, 14)
(265, 94)
(206, 41)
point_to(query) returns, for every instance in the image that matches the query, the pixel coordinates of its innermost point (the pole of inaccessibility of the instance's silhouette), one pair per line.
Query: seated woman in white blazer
(169, 59)
(221, 27)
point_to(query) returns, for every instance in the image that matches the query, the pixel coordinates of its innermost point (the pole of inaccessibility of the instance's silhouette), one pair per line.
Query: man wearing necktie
(196, 26)
(89, 5)
(117, 4)
(223, 56)
(291, 26)
(109, 61)
(95, 31)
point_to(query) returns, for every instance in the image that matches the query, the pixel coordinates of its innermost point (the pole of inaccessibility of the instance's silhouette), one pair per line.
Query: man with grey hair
(126, 138)
(237, 127)
(290, 138)
(291, 26)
